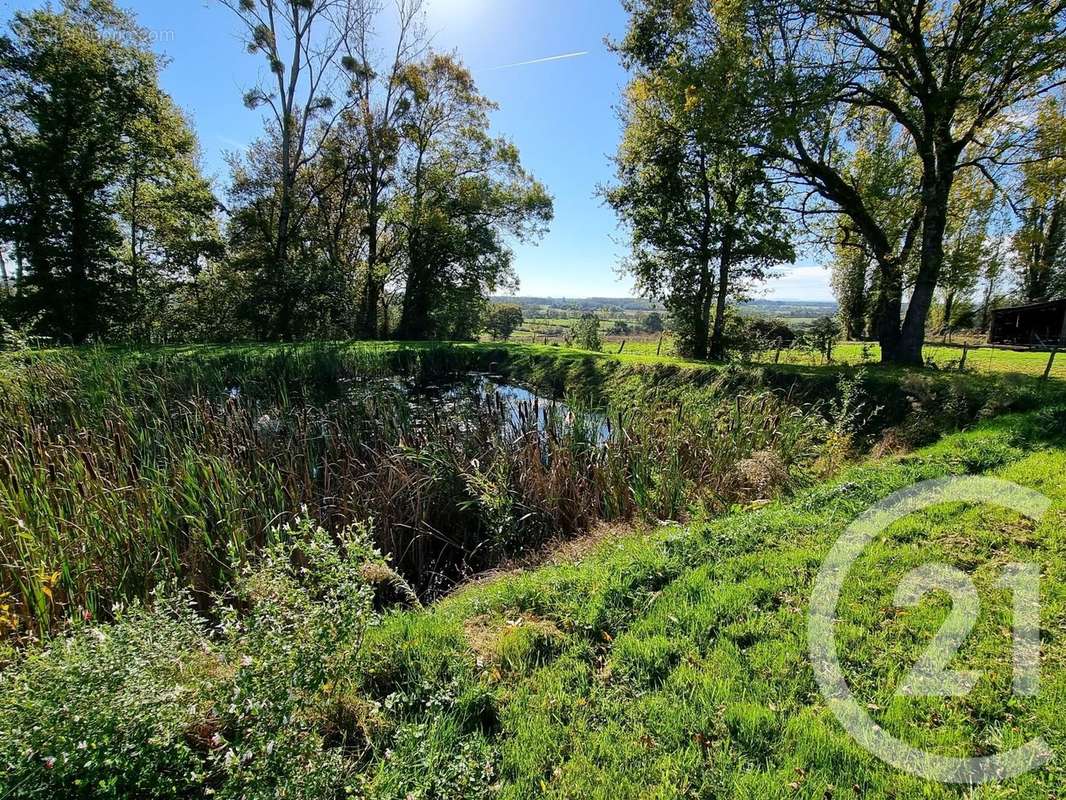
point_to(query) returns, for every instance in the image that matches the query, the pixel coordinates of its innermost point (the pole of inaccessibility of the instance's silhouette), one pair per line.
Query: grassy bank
(668, 664)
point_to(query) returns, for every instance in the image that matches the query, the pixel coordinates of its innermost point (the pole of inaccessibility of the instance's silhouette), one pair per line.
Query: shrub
(157, 704)
(823, 335)
(585, 333)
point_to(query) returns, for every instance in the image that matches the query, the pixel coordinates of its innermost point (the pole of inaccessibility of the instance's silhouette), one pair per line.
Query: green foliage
(585, 333)
(663, 651)
(156, 704)
(703, 213)
(465, 194)
(97, 163)
(503, 320)
(823, 335)
(653, 323)
(671, 661)
(1040, 242)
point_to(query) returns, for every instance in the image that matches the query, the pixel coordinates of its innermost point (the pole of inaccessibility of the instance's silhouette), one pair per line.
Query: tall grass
(116, 474)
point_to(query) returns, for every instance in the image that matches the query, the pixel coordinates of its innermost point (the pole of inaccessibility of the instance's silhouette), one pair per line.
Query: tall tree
(80, 96)
(1041, 239)
(167, 214)
(302, 42)
(851, 283)
(98, 170)
(692, 188)
(380, 105)
(465, 193)
(947, 74)
(968, 241)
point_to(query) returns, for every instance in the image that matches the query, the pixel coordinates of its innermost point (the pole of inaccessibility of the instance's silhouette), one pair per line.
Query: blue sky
(561, 114)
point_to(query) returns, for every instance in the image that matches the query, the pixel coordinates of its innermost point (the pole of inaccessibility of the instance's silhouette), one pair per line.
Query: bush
(159, 705)
(823, 335)
(585, 333)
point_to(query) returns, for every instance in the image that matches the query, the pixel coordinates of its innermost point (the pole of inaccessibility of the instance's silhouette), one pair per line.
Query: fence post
(623, 347)
(965, 352)
(1050, 363)
(659, 350)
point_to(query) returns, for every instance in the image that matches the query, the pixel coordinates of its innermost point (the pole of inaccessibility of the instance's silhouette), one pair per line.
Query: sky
(560, 113)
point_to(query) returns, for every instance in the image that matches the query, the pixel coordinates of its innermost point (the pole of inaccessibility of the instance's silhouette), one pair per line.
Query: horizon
(556, 86)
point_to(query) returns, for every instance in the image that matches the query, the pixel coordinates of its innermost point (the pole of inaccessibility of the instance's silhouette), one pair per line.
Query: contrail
(544, 60)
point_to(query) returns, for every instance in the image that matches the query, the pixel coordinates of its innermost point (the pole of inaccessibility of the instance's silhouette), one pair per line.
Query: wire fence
(1049, 364)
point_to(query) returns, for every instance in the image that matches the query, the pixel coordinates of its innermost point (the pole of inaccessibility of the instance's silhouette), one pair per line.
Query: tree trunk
(724, 266)
(912, 334)
(4, 279)
(79, 295)
(18, 270)
(279, 279)
(706, 287)
(135, 274)
(371, 290)
(889, 310)
(414, 318)
(949, 306)
(704, 296)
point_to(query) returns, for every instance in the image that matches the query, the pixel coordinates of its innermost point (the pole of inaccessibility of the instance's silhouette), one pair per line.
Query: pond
(477, 394)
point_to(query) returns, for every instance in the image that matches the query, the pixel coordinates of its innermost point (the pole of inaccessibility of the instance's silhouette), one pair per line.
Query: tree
(653, 323)
(585, 333)
(322, 262)
(464, 194)
(823, 335)
(503, 320)
(948, 76)
(80, 102)
(967, 242)
(301, 41)
(851, 285)
(379, 109)
(1041, 239)
(703, 216)
(167, 212)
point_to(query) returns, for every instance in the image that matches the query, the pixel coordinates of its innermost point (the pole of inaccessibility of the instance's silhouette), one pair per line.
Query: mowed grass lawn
(674, 664)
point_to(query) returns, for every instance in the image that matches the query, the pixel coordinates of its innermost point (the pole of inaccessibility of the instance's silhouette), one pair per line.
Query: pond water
(516, 406)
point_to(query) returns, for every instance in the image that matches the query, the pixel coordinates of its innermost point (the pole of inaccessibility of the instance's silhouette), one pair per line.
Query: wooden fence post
(659, 350)
(623, 347)
(1050, 363)
(965, 352)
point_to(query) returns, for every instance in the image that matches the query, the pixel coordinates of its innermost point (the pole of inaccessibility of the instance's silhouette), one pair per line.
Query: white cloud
(801, 283)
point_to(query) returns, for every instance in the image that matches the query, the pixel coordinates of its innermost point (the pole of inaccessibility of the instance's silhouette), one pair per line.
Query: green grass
(987, 360)
(669, 663)
(674, 664)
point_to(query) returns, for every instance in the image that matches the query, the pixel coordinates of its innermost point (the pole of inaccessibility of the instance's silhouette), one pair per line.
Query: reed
(119, 472)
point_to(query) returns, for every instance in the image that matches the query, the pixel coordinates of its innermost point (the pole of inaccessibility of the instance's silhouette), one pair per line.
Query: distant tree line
(376, 203)
(919, 143)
